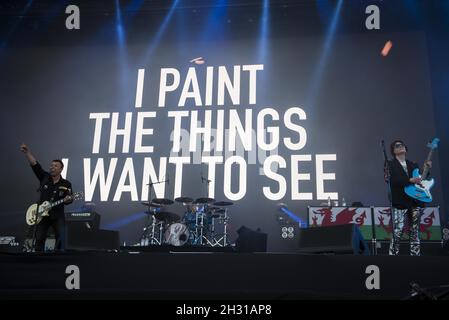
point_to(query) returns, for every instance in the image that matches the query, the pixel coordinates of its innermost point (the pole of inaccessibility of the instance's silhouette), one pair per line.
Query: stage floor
(207, 275)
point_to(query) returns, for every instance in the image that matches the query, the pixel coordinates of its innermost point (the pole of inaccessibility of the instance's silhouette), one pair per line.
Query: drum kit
(204, 223)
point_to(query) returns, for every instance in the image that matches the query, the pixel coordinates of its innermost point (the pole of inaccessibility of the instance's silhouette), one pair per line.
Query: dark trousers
(58, 225)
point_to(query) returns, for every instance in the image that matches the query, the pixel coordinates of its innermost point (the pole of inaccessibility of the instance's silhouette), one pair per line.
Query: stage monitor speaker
(83, 239)
(340, 239)
(250, 240)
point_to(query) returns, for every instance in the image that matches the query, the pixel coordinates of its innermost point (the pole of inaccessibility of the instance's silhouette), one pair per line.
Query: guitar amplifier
(83, 233)
(85, 239)
(89, 220)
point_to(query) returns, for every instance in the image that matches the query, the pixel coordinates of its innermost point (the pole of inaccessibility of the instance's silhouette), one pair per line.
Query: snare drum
(177, 234)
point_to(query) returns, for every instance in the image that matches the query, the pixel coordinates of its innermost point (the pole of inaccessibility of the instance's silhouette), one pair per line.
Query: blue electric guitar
(421, 191)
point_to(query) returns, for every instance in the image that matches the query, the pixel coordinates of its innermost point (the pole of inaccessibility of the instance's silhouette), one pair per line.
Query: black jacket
(399, 180)
(50, 191)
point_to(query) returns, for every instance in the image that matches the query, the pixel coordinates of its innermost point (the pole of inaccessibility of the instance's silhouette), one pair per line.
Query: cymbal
(151, 212)
(204, 201)
(154, 205)
(223, 203)
(214, 209)
(167, 216)
(184, 200)
(216, 212)
(163, 201)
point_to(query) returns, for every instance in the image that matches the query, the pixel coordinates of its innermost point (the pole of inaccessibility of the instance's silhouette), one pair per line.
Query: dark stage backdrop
(326, 109)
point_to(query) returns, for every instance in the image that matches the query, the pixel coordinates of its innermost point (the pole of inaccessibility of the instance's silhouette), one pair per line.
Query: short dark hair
(392, 146)
(60, 161)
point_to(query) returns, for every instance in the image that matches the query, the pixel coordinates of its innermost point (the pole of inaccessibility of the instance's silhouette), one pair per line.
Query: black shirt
(399, 180)
(52, 191)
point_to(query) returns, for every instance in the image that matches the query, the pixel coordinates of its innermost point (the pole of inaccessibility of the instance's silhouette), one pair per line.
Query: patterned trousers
(398, 219)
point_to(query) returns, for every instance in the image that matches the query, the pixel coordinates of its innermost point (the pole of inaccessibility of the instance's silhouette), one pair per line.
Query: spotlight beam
(325, 52)
(16, 24)
(123, 55)
(263, 36)
(157, 37)
(293, 216)
(125, 221)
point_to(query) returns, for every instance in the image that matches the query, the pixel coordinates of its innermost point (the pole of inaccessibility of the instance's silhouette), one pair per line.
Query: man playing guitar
(52, 188)
(401, 177)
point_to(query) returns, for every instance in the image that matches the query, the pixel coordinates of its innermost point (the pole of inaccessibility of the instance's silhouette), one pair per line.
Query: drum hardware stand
(224, 236)
(155, 240)
(153, 229)
(151, 235)
(212, 240)
(149, 232)
(199, 226)
(144, 237)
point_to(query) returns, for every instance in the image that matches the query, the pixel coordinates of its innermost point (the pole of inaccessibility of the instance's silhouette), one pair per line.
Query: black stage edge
(170, 248)
(209, 275)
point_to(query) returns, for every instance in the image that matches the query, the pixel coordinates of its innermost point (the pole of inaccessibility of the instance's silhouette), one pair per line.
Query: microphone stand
(387, 177)
(207, 185)
(204, 210)
(417, 290)
(149, 190)
(33, 242)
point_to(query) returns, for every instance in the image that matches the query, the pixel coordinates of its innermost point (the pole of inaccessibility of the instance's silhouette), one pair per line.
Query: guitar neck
(426, 168)
(74, 196)
(54, 204)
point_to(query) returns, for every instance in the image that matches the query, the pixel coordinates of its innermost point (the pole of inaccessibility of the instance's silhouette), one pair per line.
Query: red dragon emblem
(328, 217)
(424, 227)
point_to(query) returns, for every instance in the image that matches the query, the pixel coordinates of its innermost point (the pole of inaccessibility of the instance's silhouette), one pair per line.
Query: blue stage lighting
(14, 26)
(294, 217)
(125, 221)
(263, 34)
(325, 52)
(157, 37)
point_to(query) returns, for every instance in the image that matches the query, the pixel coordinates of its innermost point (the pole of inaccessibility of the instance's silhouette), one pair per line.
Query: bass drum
(177, 234)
